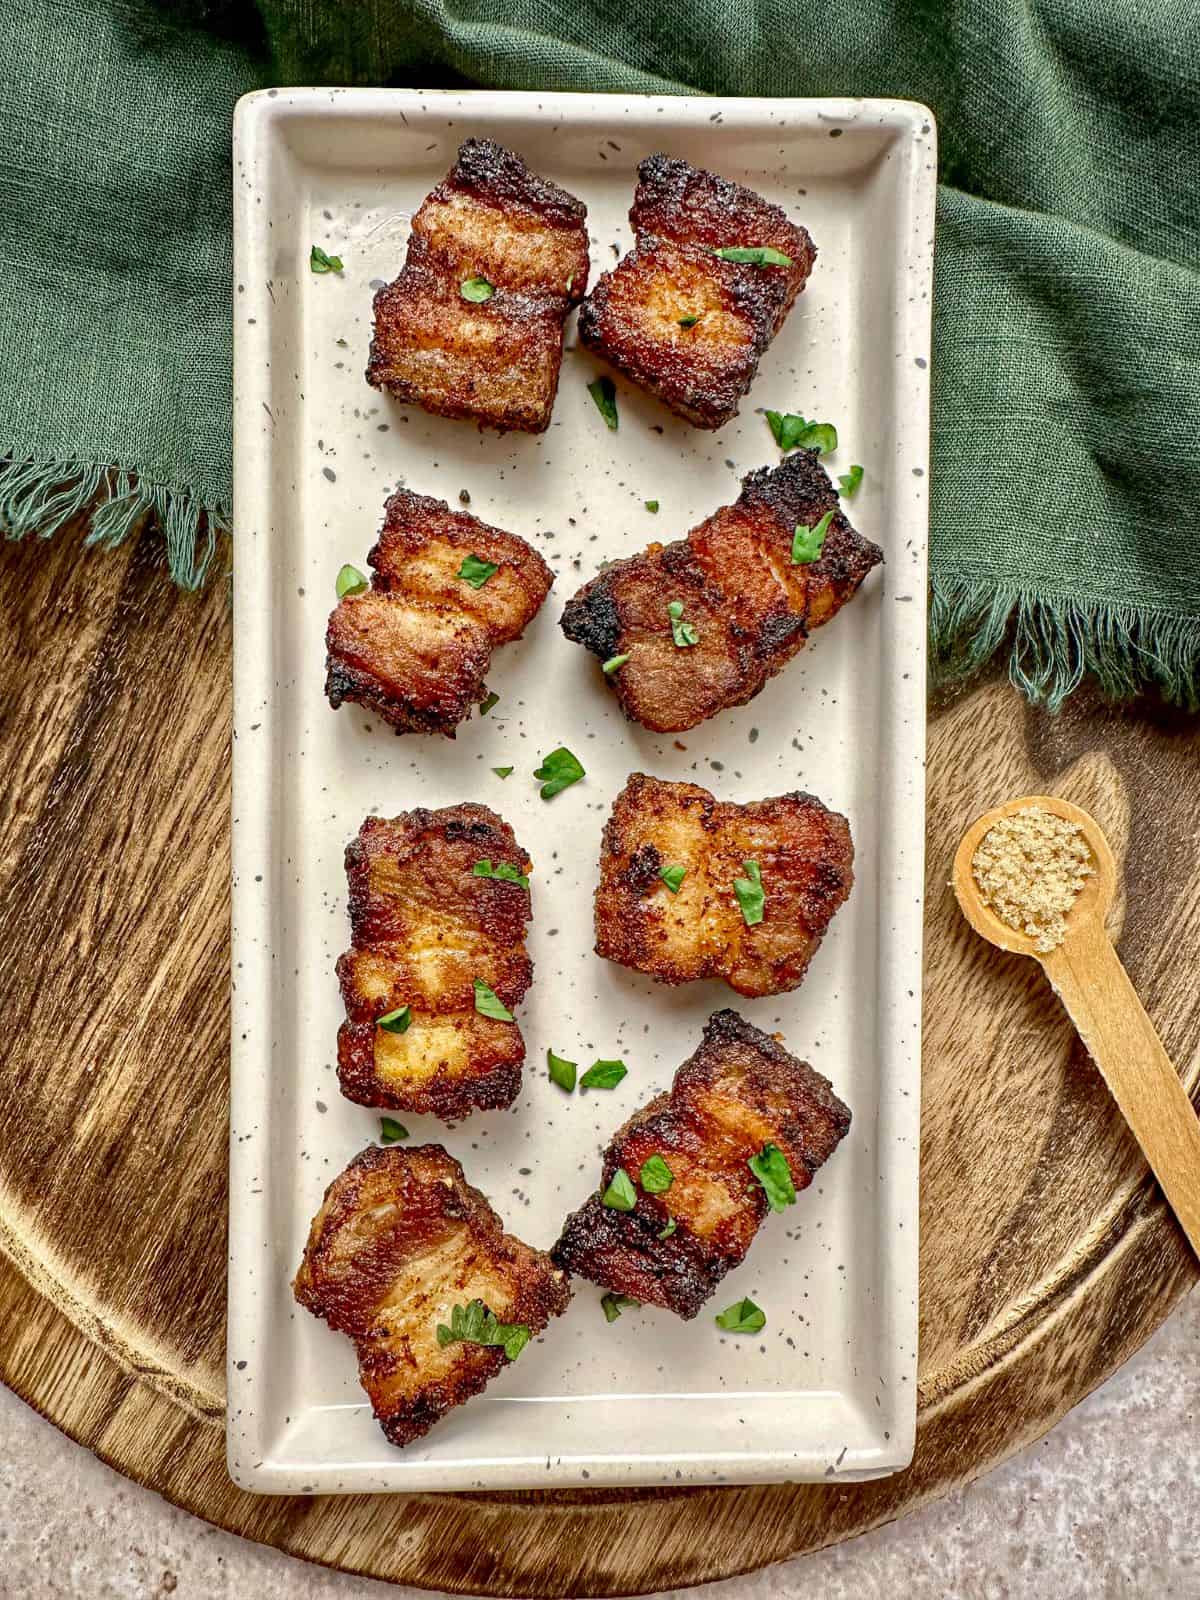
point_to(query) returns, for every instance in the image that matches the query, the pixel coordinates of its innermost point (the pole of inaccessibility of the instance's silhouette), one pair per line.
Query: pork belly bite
(681, 321)
(692, 887)
(679, 1202)
(706, 620)
(446, 589)
(473, 326)
(405, 1256)
(439, 901)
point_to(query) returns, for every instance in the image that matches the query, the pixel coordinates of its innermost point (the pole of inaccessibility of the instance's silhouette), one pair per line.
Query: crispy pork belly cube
(681, 321)
(749, 606)
(490, 224)
(739, 1093)
(804, 857)
(400, 1241)
(415, 647)
(427, 928)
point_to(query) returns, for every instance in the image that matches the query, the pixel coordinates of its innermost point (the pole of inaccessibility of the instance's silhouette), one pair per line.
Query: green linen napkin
(1066, 482)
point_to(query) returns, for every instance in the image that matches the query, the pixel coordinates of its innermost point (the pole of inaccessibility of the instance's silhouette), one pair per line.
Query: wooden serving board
(1047, 1256)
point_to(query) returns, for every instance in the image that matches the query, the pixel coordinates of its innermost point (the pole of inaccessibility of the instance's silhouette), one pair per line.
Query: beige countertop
(1107, 1505)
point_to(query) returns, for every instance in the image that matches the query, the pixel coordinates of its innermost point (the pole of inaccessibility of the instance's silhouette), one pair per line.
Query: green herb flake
(502, 870)
(807, 543)
(558, 771)
(749, 891)
(476, 289)
(656, 1176)
(770, 1167)
(395, 1021)
(603, 1075)
(848, 482)
(561, 1072)
(683, 633)
(651, 505)
(475, 1324)
(391, 1131)
(604, 392)
(350, 581)
(673, 876)
(620, 1194)
(742, 1317)
(489, 700)
(689, 322)
(613, 663)
(792, 432)
(503, 772)
(318, 261)
(612, 1305)
(754, 255)
(476, 571)
(488, 1005)
(665, 1233)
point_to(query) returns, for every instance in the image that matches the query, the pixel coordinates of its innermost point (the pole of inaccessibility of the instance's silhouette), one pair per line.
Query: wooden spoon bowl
(1091, 904)
(1086, 974)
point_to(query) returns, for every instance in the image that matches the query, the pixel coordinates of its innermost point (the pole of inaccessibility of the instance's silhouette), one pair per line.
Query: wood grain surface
(1047, 1255)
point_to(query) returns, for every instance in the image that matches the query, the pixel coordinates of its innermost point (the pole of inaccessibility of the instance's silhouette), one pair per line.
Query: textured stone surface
(1107, 1505)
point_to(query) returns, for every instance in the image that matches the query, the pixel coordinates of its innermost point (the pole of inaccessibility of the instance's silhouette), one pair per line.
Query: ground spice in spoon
(1029, 867)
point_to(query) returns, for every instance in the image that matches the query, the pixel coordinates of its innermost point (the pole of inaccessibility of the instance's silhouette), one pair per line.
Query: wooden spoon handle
(1093, 985)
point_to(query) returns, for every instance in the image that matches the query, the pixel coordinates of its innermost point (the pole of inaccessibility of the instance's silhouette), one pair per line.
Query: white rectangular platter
(827, 1390)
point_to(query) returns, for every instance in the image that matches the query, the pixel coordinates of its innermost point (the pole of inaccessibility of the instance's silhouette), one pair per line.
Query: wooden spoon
(1086, 974)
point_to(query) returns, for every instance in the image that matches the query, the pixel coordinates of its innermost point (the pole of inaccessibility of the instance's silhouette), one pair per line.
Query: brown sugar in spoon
(1086, 974)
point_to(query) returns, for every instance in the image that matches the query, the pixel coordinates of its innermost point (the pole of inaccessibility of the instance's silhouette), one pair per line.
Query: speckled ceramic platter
(827, 1390)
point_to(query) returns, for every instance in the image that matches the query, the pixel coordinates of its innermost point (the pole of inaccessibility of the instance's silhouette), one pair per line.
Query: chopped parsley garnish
(665, 1233)
(350, 581)
(673, 876)
(490, 699)
(487, 1004)
(651, 505)
(749, 891)
(741, 1317)
(395, 1021)
(807, 543)
(475, 1324)
(503, 772)
(770, 1167)
(848, 482)
(683, 633)
(754, 255)
(391, 1131)
(613, 662)
(603, 1075)
(561, 1072)
(620, 1194)
(604, 392)
(613, 1304)
(318, 261)
(656, 1176)
(476, 289)
(502, 870)
(558, 771)
(476, 571)
(689, 322)
(792, 432)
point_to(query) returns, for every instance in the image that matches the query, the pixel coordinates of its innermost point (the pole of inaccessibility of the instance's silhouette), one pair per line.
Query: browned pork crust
(804, 854)
(740, 1091)
(495, 360)
(415, 648)
(400, 1239)
(424, 928)
(639, 316)
(751, 606)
